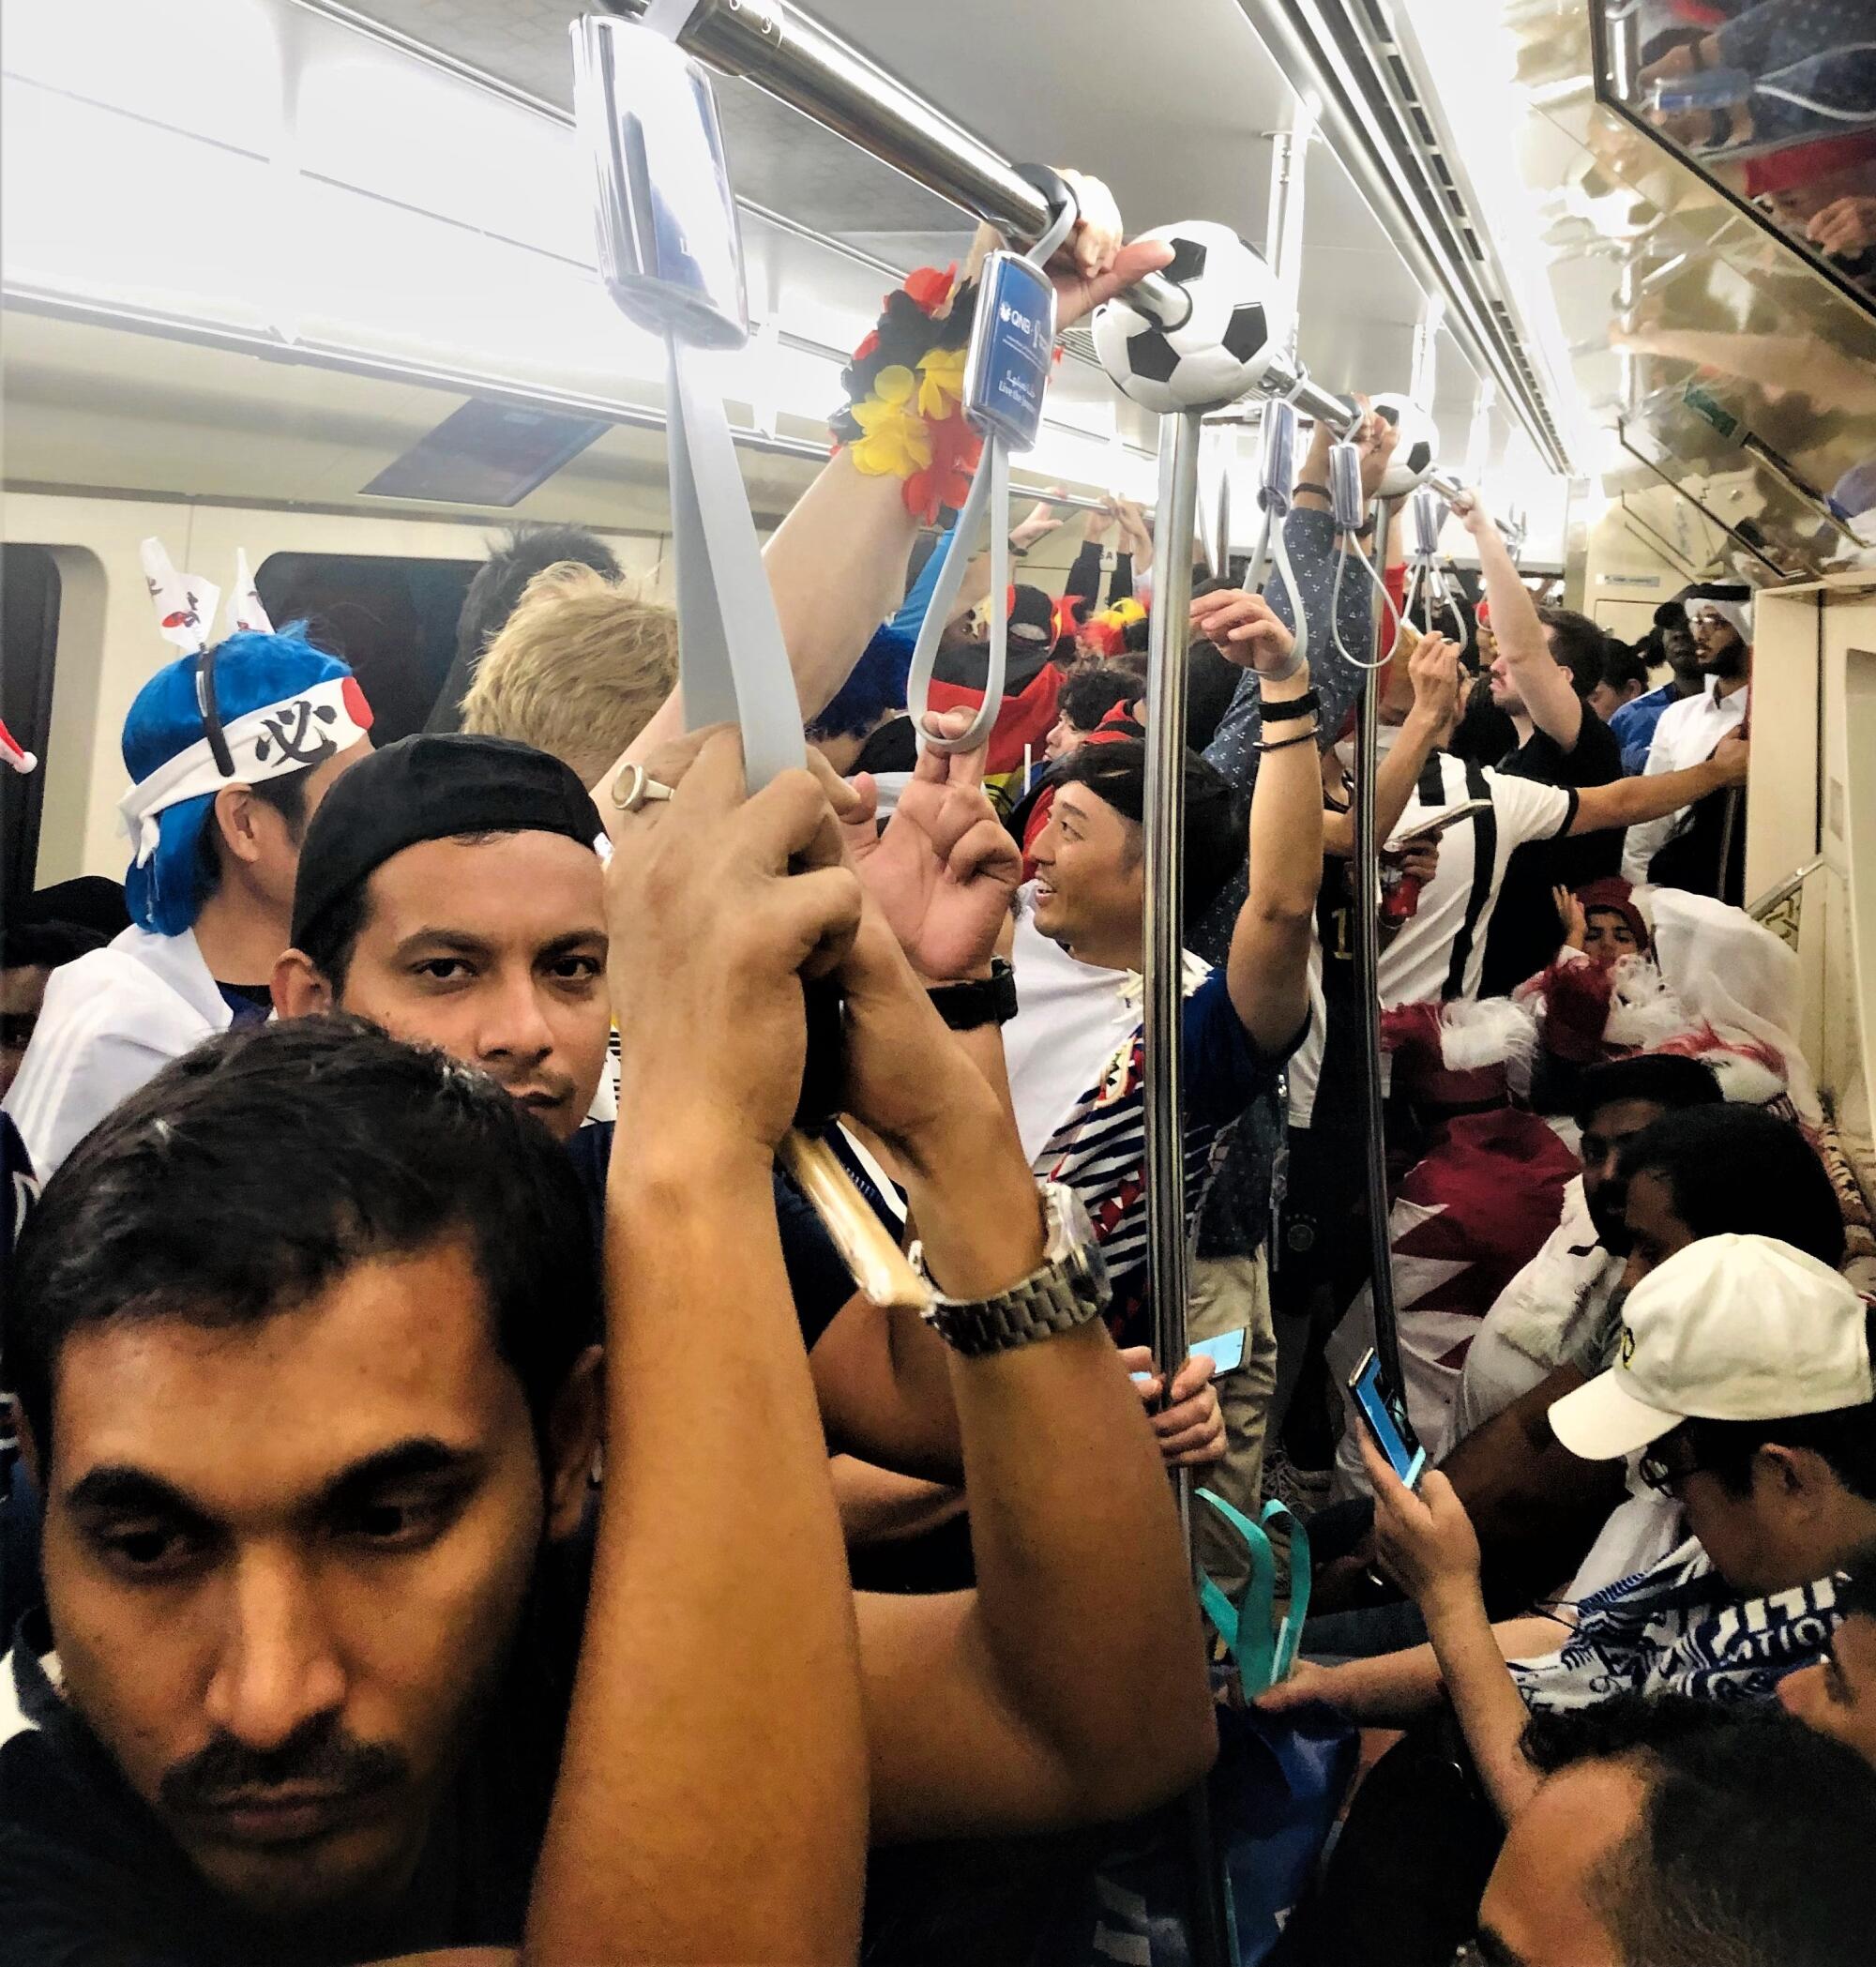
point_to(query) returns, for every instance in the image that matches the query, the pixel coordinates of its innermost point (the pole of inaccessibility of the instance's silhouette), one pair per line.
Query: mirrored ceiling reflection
(1774, 101)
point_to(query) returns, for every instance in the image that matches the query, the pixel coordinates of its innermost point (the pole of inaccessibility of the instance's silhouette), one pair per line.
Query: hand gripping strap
(990, 487)
(1262, 1652)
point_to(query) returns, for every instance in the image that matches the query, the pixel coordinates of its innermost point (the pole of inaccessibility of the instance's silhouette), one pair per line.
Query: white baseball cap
(1735, 1329)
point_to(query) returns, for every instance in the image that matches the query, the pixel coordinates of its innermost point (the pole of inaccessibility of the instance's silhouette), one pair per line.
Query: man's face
(494, 950)
(1090, 875)
(273, 872)
(1541, 1907)
(1679, 647)
(284, 1563)
(1607, 1128)
(1062, 738)
(1718, 647)
(1650, 1227)
(1607, 935)
(23, 992)
(1837, 1697)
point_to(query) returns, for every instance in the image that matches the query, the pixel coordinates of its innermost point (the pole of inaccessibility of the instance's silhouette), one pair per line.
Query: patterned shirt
(1100, 1147)
(1680, 1628)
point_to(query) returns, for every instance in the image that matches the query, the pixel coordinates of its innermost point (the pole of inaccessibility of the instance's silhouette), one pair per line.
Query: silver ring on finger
(634, 788)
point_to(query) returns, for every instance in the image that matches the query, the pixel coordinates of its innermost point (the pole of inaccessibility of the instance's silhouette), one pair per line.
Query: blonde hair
(576, 670)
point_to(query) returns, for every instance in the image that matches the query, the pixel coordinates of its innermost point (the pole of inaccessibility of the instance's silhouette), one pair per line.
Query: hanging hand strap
(990, 487)
(1277, 477)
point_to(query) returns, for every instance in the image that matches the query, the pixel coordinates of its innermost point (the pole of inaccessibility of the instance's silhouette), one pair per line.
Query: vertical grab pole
(1164, 940)
(1368, 994)
(1163, 971)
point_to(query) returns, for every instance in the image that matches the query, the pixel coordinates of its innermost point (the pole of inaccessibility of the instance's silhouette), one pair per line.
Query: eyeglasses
(1660, 1473)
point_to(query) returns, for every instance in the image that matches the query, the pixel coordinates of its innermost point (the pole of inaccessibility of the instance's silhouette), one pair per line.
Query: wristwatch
(984, 1000)
(1071, 1287)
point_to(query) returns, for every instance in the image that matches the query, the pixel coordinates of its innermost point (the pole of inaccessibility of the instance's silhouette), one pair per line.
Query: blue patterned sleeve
(1310, 538)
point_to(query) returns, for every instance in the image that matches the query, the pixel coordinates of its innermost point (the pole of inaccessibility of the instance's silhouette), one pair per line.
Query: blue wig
(875, 689)
(251, 670)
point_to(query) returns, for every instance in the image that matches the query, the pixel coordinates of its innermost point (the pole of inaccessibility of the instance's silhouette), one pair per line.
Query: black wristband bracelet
(984, 1000)
(1289, 708)
(1283, 744)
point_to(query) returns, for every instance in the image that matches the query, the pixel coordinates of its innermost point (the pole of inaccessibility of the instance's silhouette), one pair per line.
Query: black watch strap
(985, 1000)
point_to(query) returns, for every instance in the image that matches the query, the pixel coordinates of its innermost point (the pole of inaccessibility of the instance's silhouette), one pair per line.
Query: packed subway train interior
(938, 983)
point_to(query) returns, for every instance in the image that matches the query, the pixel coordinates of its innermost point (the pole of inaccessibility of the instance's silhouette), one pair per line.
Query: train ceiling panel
(1178, 123)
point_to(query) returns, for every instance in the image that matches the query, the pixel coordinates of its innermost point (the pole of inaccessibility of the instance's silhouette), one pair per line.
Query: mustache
(319, 1756)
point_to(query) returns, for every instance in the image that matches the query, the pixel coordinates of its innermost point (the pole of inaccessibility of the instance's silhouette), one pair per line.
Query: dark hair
(1739, 1170)
(256, 1169)
(285, 795)
(45, 945)
(1670, 614)
(1622, 667)
(327, 941)
(1212, 682)
(513, 561)
(1579, 646)
(1136, 636)
(1661, 1078)
(1755, 1832)
(1845, 1437)
(1091, 690)
(1214, 824)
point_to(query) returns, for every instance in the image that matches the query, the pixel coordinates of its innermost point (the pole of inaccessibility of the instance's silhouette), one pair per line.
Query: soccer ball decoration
(1239, 320)
(1419, 450)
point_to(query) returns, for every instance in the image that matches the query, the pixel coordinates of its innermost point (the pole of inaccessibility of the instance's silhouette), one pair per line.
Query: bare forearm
(1629, 802)
(1485, 1697)
(1399, 771)
(716, 1488)
(1267, 968)
(837, 568)
(1394, 1688)
(1084, 1603)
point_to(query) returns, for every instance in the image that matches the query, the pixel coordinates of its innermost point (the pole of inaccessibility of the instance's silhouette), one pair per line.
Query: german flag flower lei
(904, 416)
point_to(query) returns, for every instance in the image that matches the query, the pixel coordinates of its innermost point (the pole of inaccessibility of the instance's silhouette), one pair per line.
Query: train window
(393, 620)
(29, 615)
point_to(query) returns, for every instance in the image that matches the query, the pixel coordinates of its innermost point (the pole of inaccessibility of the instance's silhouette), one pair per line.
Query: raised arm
(1630, 801)
(837, 562)
(703, 1743)
(1434, 667)
(1267, 968)
(1070, 1685)
(1541, 680)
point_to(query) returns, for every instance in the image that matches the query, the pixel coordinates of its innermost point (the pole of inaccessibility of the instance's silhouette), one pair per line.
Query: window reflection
(1775, 98)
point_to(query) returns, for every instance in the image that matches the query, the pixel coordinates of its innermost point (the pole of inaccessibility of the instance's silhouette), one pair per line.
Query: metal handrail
(1775, 897)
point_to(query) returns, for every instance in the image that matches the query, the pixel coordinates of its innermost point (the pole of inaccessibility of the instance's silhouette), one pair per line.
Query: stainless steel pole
(1163, 970)
(1367, 994)
(794, 58)
(1164, 938)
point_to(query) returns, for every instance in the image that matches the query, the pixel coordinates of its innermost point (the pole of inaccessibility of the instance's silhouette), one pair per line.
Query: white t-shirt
(1688, 734)
(1418, 964)
(1071, 1018)
(1439, 951)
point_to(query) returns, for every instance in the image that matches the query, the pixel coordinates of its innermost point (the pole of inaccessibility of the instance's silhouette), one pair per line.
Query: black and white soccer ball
(1239, 320)
(1419, 450)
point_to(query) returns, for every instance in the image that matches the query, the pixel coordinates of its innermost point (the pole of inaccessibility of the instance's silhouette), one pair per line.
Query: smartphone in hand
(1384, 1415)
